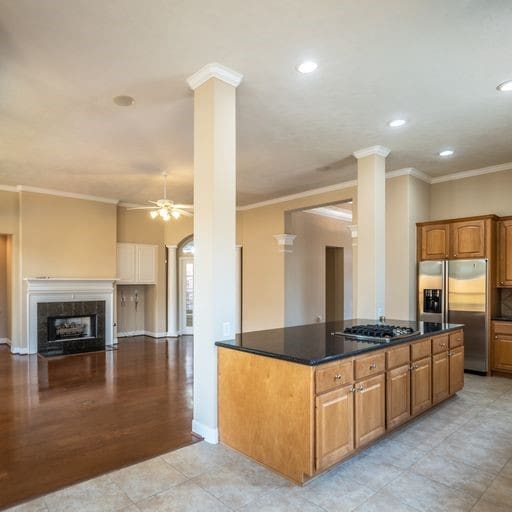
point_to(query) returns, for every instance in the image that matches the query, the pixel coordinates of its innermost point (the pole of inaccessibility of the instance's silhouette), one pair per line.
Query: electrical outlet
(318, 319)
(226, 329)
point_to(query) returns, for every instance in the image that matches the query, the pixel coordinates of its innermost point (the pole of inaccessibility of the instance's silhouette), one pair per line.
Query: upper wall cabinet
(468, 239)
(434, 241)
(136, 263)
(505, 253)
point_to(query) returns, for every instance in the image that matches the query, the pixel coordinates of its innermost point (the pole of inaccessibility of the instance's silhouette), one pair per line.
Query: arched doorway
(186, 286)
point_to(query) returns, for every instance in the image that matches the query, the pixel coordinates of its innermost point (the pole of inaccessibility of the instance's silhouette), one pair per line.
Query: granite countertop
(502, 318)
(315, 343)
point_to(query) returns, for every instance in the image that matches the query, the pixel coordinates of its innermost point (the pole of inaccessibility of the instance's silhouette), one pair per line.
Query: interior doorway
(5, 288)
(334, 284)
(186, 286)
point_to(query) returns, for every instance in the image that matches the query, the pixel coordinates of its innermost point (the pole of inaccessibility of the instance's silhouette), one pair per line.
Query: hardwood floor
(67, 419)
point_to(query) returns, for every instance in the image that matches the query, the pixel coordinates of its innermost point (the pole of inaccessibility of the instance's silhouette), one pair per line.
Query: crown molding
(474, 172)
(372, 150)
(124, 204)
(72, 195)
(409, 171)
(214, 70)
(325, 211)
(300, 195)
(8, 188)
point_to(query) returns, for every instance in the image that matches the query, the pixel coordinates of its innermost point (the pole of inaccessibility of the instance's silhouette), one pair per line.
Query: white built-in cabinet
(136, 263)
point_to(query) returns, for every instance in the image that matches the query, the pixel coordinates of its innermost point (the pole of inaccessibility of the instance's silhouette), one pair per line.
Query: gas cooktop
(378, 333)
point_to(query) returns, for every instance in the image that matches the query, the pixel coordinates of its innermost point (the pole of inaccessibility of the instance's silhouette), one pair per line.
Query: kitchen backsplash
(506, 302)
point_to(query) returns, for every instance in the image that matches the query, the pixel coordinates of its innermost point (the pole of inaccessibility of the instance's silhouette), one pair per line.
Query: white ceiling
(434, 62)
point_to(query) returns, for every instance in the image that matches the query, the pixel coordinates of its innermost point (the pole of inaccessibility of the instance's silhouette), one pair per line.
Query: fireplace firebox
(71, 327)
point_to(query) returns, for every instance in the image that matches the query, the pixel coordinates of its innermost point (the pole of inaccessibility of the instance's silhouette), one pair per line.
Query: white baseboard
(210, 435)
(5, 341)
(173, 334)
(19, 350)
(151, 334)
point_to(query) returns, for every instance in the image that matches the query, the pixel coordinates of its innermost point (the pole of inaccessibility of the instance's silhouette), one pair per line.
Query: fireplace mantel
(68, 289)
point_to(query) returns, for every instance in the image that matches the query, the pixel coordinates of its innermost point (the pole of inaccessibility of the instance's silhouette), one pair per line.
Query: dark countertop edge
(334, 357)
(502, 318)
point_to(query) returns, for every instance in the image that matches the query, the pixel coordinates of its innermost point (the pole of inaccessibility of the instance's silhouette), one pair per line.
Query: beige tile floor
(458, 457)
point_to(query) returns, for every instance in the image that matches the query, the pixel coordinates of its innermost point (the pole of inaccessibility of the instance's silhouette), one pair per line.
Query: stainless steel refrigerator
(455, 291)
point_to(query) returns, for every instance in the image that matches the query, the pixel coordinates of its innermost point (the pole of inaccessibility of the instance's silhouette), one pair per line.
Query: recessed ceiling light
(307, 66)
(446, 152)
(123, 101)
(505, 86)
(397, 123)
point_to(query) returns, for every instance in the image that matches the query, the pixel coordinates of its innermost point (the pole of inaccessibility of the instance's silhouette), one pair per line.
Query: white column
(371, 231)
(214, 232)
(172, 291)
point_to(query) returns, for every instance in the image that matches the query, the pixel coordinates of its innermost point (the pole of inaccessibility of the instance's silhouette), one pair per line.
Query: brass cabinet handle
(337, 376)
(353, 389)
(373, 366)
(360, 388)
(442, 344)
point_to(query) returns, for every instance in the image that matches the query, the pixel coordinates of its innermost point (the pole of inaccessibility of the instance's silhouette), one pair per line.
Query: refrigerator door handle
(445, 292)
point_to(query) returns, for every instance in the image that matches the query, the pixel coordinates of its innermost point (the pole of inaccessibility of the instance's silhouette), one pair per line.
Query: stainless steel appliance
(455, 291)
(378, 333)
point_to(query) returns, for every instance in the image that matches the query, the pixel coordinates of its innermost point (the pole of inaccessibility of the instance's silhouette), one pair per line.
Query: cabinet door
(146, 264)
(457, 369)
(370, 409)
(334, 426)
(434, 242)
(502, 352)
(468, 239)
(126, 263)
(440, 377)
(398, 402)
(421, 385)
(505, 253)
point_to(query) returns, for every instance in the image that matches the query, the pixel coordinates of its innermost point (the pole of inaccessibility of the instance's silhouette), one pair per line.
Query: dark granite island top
(316, 344)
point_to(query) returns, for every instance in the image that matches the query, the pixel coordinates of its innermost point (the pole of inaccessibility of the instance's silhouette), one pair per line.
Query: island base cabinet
(502, 353)
(334, 426)
(398, 402)
(370, 409)
(421, 385)
(456, 369)
(440, 377)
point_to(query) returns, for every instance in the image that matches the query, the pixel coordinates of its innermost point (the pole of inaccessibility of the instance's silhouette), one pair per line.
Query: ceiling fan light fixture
(154, 214)
(176, 214)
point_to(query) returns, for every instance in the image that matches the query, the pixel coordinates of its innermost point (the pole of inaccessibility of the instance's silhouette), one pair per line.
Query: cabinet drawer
(369, 365)
(502, 327)
(440, 344)
(456, 339)
(397, 357)
(420, 349)
(333, 375)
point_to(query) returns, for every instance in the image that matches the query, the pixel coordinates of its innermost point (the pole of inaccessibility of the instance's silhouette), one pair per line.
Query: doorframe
(183, 329)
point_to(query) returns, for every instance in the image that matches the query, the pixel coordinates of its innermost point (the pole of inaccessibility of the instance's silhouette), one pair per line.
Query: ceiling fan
(165, 208)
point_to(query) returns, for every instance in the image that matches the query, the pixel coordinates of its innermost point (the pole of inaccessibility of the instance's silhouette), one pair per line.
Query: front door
(186, 295)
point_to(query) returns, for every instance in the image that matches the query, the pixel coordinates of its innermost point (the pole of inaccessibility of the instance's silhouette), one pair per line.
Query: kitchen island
(301, 399)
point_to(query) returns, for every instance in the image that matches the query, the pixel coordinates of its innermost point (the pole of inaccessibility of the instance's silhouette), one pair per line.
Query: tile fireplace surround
(76, 297)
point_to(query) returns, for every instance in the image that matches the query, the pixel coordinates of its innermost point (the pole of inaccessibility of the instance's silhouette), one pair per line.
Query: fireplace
(70, 327)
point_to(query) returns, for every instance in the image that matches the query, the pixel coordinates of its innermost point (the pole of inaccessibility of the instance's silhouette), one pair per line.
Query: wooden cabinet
(434, 241)
(505, 253)
(421, 385)
(334, 426)
(456, 369)
(502, 346)
(440, 377)
(370, 409)
(398, 396)
(136, 263)
(467, 239)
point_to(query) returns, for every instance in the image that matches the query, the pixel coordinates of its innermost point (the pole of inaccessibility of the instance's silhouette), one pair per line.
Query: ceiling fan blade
(142, 208)
(153, 202)
(188, 206)
(184, 212)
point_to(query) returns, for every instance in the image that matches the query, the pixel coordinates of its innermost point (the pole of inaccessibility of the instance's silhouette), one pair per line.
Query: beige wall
(480, 195)
(131, 312)
(263, 271)
(65, 237)
(305, 266)
(407, 202)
